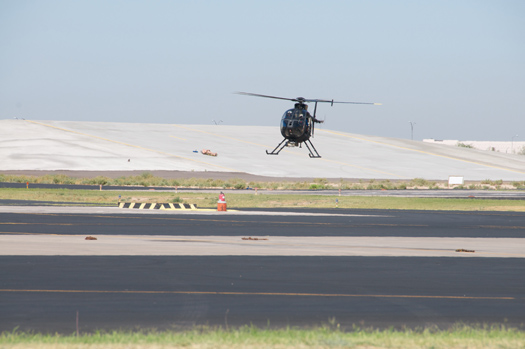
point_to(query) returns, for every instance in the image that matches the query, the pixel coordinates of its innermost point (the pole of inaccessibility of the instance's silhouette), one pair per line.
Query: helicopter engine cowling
(295, 125)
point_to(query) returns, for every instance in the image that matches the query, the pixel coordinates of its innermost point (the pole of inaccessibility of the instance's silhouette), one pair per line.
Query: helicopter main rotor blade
(332, 102)
(302, 100)
(359, 103)
(266, 96)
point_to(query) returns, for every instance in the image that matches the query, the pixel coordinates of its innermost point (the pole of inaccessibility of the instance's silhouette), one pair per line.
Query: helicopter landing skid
(313, 154)
(287, 143)
(280, 146)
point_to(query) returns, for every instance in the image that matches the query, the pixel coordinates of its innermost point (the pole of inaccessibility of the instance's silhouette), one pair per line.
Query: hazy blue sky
(455, 68)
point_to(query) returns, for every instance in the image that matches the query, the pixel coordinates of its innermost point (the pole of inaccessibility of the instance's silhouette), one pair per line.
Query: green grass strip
(331, 336)
(262, 200)
(147, 179)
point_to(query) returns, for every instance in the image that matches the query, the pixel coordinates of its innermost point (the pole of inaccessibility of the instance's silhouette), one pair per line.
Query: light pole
(512, 144)
(411, 129)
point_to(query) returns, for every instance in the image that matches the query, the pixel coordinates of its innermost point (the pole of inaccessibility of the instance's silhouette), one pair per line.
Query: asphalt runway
(306, 222)
(174, 292)
(44, 293)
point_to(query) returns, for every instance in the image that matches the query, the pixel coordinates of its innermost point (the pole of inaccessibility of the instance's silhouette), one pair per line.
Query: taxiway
(378, 268)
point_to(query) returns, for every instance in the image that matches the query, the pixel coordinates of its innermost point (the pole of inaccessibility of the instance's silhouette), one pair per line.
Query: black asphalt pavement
(346, 223)
(42, 293)
(174, 292)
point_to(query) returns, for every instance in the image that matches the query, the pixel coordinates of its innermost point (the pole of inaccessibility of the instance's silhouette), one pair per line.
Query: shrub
(100, 180)
(240, 186)
(238, 183)
(419, 182)
(519, 185)
(463, 145)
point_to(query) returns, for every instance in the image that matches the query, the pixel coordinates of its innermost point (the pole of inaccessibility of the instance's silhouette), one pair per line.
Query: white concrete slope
(106, 146)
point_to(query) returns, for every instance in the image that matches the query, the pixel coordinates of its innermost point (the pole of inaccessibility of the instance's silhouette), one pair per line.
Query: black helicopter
(297, 125)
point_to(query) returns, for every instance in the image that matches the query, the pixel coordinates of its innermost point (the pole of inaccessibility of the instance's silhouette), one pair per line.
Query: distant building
(502, 147)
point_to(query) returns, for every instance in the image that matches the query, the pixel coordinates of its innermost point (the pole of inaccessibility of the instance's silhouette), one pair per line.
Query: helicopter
(297, 125)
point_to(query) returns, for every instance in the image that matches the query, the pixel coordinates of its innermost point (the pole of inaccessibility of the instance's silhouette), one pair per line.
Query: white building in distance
(502, 147)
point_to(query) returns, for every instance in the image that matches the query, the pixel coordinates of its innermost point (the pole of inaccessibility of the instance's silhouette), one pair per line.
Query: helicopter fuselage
(296, 124)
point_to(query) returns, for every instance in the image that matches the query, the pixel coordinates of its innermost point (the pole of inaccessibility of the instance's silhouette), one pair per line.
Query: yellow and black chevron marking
(157, 206)
(179, 206)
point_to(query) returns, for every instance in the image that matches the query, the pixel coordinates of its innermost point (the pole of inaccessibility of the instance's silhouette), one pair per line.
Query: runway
(176, 270)
(172, 292)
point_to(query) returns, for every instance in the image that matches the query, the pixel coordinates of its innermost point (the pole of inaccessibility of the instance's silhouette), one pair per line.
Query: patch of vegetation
(491, 182)
(519, 185)
(495, 184)
(100, 180)
(177, 200)
(328, 336)
(421, 183)
(147, 179)
(263, 199)
(464, 145)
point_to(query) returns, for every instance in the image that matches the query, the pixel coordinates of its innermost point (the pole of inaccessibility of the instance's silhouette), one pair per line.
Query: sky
(454, 69)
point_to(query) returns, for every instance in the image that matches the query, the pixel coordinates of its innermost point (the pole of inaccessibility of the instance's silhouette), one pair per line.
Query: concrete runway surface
(174, 270)
(104, 146)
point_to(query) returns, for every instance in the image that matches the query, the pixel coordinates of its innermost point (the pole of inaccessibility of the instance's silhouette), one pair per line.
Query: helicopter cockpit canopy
(294, 124)
(295, 114)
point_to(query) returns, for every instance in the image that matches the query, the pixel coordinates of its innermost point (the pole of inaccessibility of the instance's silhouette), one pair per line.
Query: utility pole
(411, 129)
(512, 144)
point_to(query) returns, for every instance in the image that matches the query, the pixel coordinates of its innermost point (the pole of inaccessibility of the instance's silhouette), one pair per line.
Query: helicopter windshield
(295, 114)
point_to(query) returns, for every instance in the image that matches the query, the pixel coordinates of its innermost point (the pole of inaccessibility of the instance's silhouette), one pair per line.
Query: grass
(146, 179)
(464, 145)
(330, 336)
(262, 200)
